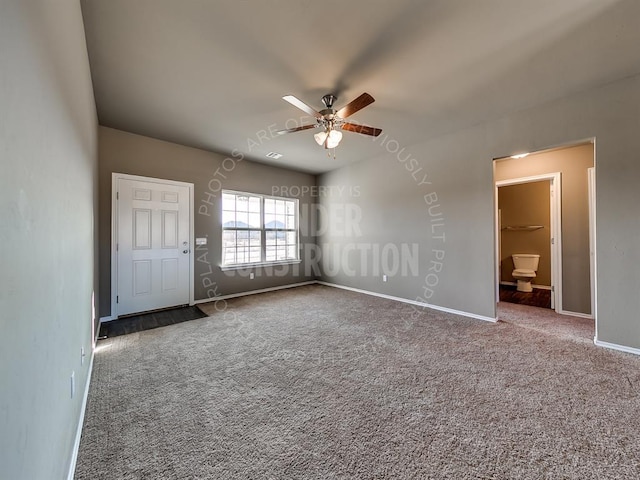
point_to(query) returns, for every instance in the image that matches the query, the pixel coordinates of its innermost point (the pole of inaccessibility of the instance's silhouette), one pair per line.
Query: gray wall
(572, 163)
(123, 152)
(373, 223)
(460, 167)
(48, 157)
(431, 194)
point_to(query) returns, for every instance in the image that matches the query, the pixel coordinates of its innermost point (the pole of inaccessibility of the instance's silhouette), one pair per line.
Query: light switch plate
(201, 241)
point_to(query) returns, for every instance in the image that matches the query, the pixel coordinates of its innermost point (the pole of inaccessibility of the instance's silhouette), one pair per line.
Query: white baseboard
(83, 408)
(254, 292)
(615, 346)
(411, 302)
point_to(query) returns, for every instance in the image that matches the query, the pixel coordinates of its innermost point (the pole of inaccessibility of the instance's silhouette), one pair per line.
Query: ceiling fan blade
(363, 129)
(297, 129)
(355, 105)
(301, 105)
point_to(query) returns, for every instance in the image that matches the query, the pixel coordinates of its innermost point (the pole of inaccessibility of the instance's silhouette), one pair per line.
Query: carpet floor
(320, 383)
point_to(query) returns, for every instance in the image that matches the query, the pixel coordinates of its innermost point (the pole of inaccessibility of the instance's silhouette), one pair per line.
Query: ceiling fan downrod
(329, 100)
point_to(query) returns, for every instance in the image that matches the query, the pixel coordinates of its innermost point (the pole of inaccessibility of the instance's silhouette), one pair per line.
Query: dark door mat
(147, 321)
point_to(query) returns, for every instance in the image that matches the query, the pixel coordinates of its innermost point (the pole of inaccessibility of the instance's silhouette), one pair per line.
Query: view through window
(258, 229)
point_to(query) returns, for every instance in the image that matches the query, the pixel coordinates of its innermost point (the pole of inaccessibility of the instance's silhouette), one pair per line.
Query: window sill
(244, 266)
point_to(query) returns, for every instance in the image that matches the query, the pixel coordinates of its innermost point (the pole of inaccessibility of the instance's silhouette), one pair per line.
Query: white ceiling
(211, 74)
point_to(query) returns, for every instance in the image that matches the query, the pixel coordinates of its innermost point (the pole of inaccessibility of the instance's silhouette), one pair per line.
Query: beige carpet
(547, 322)
(320, 383)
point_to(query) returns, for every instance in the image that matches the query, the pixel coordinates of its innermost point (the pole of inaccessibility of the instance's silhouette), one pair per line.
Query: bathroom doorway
(529, 223)
(569, 171)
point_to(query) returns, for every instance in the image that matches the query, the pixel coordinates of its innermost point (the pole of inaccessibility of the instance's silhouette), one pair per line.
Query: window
(258, 229)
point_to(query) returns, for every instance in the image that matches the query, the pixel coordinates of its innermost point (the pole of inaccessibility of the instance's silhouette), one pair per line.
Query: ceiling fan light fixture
(320, 137)
(333, 138)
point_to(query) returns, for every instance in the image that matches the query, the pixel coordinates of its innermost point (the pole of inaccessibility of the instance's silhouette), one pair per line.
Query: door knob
(185, 251)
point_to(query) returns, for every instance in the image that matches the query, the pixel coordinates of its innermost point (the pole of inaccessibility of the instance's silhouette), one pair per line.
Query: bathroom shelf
(523, 228)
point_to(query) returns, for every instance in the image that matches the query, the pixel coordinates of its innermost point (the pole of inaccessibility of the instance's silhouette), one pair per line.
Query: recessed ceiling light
(274, 155)
(520, 155)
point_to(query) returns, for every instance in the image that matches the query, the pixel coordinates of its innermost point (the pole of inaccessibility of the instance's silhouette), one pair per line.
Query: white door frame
(114, 233)
(591, 175)
(556, 233)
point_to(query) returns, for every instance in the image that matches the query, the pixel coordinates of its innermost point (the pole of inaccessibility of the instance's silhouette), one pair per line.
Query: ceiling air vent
(274, 155)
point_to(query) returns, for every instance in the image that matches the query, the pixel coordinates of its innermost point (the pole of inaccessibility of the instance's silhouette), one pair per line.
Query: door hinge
(117, 299)
(553, 289)
(553, 241)
(117, 247)
(117, 195)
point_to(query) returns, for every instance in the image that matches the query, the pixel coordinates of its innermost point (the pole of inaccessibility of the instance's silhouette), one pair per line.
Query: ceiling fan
(332, 121)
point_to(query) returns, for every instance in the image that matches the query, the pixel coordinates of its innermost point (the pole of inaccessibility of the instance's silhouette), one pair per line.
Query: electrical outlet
(73, 384)
(252, 276)
(384, 278)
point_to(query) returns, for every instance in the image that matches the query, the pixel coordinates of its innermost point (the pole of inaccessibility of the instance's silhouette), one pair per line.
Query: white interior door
(153, 245)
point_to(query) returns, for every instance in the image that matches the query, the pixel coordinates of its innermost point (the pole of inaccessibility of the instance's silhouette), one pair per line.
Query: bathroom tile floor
(537, 298)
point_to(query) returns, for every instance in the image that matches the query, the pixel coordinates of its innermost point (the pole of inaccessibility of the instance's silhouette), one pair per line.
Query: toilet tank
(526, 261)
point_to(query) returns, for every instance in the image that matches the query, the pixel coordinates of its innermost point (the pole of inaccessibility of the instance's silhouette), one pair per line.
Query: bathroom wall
(525, 204)
(572, 163)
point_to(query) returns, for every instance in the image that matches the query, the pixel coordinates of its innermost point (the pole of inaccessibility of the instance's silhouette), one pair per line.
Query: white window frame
(263, 237)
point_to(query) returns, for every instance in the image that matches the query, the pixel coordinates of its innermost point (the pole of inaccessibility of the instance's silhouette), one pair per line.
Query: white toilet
(526, 265)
